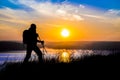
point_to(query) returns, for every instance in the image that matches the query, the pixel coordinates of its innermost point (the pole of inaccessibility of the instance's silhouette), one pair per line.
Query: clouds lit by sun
(89, 20)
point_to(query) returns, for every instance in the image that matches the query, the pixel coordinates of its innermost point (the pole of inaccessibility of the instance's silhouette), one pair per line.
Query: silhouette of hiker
(30, 39)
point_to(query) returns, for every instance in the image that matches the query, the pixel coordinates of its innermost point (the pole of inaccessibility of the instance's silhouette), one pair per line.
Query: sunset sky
(86, 20)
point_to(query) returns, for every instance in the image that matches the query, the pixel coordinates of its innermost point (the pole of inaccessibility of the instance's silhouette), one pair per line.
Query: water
(62, 55)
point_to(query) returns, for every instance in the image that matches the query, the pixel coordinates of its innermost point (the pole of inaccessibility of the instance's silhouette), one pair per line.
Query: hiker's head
(32, 27)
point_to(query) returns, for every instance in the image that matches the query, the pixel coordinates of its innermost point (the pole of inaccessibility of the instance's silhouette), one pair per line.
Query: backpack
(25, 36)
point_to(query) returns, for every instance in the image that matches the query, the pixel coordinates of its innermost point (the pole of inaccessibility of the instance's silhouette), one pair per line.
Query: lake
(62, 55)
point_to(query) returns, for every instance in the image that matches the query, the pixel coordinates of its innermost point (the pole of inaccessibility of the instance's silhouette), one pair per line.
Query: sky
(86, 20)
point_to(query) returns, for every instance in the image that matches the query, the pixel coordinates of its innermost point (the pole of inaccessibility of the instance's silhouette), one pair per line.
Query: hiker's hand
(42, 42)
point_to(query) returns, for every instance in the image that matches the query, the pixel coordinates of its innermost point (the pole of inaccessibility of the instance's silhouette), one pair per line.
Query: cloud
(113, 17)
(113, 12)
(82, 6)
(20, 16)
(44, 11)
(64, 11)
(48, 10)
(50, 14)
(94, 16)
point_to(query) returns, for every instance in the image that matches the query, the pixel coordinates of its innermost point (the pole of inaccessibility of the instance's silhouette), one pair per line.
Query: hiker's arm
(42, 42)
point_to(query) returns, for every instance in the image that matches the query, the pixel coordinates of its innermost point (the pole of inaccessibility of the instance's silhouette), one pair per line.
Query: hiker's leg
(28, 54)
(39, 53)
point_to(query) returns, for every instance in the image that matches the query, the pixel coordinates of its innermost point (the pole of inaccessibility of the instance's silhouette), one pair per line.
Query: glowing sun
(65, 33)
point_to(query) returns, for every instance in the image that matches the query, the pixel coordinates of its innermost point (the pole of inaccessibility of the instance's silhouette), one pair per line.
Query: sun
(65, 33)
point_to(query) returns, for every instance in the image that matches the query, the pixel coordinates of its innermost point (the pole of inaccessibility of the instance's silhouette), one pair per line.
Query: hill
(11, 46)
(91, 45)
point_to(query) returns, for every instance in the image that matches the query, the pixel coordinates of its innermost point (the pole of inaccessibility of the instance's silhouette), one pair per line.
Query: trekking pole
(43, 45)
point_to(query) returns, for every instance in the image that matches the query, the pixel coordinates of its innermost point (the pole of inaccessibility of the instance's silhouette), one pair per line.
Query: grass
(86, 65)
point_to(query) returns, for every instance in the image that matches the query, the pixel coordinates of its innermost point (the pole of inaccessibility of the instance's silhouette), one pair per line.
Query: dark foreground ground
(96, 67)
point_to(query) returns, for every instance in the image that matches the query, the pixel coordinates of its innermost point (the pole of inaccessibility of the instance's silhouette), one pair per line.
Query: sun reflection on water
(64, 57)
